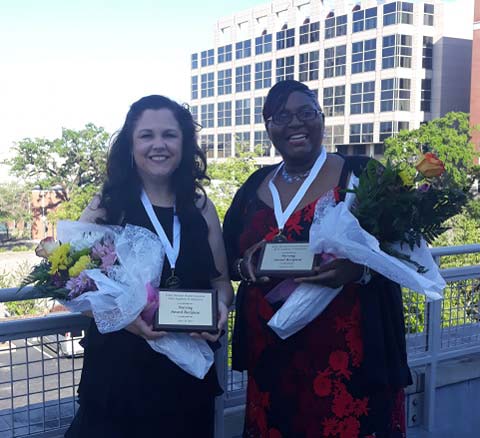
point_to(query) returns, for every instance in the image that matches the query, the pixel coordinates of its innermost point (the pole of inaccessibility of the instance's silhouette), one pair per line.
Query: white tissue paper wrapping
(121, 295)
(336, 231)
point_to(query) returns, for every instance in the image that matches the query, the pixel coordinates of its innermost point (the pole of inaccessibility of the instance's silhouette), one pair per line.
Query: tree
(72, 209)
(448, 137)
(226, 178)
(14, 202)
(75, 160)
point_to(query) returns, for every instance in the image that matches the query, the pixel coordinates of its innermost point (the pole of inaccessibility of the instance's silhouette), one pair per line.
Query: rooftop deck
(39, 373)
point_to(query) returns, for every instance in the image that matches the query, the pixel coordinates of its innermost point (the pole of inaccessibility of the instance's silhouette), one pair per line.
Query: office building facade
(376, 66)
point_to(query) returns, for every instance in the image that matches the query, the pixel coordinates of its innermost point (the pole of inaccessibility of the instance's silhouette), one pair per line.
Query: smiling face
(298, 142)
(157, 145)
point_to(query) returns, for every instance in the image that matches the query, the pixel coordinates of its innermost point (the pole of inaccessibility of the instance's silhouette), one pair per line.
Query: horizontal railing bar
(41, 326)
(441, 251)
(462, 273)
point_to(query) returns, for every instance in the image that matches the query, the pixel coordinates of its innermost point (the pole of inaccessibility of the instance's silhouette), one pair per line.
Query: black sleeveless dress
(127, 389)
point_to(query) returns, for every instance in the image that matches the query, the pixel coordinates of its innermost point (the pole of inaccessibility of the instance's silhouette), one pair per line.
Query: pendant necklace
(281, 215)
(171, 251)
(296, 177)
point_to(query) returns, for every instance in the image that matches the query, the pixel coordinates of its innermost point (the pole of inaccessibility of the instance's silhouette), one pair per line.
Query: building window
(207, 85)
(194, 87)
(258, 116)
(243, 49)
(309, 64)
(397, 51)
(207, 58)
(362, 98)
(359, 149)
(262, 142)
(242, 112)
(388, 129)
(224, 114)
(361, 133)
(427, 57)
(242, 142)
(365, 19)
(263, 74)
(334, 100)
(263, 44)
(428, 14)
(224, 82)
(397, 12)
(333, 136)
(335, 26)
(224, 145)
(207, 145)
(395, 95)
(207, 115)
(310, 32)
(224, 53)
(335, 60)
(243, 78)
(363, 56)
(194, 60)
(285, 68)
(194, 112)
(285, 38)
(426, 101)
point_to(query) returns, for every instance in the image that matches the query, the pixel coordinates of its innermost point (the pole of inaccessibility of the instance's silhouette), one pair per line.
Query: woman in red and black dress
(343, 374)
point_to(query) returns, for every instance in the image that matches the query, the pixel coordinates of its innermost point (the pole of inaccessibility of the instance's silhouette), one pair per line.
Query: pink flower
(148, 312)
(78, 285)
(46, 247)
(105, 251)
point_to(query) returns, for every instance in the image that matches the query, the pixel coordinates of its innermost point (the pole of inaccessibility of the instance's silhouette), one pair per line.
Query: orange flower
(430, 165)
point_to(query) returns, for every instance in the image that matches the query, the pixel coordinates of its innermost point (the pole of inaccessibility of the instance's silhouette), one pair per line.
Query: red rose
(430, 165)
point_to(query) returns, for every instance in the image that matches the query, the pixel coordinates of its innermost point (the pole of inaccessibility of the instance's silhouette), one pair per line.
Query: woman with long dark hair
(343, 374)
(154, 174)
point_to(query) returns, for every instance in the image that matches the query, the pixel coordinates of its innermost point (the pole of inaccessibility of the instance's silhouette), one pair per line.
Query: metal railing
(38, 379)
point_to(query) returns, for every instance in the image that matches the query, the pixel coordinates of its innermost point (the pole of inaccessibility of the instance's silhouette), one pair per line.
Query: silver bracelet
(366, 276)
(239, 271)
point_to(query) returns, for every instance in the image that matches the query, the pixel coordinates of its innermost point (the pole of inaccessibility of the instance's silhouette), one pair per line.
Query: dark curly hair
(123, 186)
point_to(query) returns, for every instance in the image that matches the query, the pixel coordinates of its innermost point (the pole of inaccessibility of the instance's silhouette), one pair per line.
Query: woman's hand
(140, 328)
(247, 265)
(222, 320)
(334, 274)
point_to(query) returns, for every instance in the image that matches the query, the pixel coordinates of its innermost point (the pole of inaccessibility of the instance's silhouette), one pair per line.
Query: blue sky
(66, 63)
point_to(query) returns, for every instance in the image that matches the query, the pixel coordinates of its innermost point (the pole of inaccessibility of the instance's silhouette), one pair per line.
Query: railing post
(221, 363)
(434, 309)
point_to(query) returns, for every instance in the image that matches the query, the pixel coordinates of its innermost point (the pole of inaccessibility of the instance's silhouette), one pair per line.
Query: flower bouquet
(113, 273)
(389, 215)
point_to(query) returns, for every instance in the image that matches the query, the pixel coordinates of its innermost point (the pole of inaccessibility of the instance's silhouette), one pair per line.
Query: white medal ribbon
(171, 251)
(282, 215)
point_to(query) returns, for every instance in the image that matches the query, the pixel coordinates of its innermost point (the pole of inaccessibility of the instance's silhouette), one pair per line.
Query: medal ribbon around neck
(282, 215)
(171, 251)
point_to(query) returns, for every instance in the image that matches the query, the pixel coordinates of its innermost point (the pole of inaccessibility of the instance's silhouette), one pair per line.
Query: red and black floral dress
(312, 384)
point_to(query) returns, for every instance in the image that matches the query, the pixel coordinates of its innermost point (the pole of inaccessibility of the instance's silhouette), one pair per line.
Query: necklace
(296, 177)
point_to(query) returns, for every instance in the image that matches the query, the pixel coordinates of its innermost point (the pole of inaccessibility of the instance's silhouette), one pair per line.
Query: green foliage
(448, 137)
(12, 279)
(73, 208)
(394, 212)
(77, 159)
(226, 178)
(14, 202)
